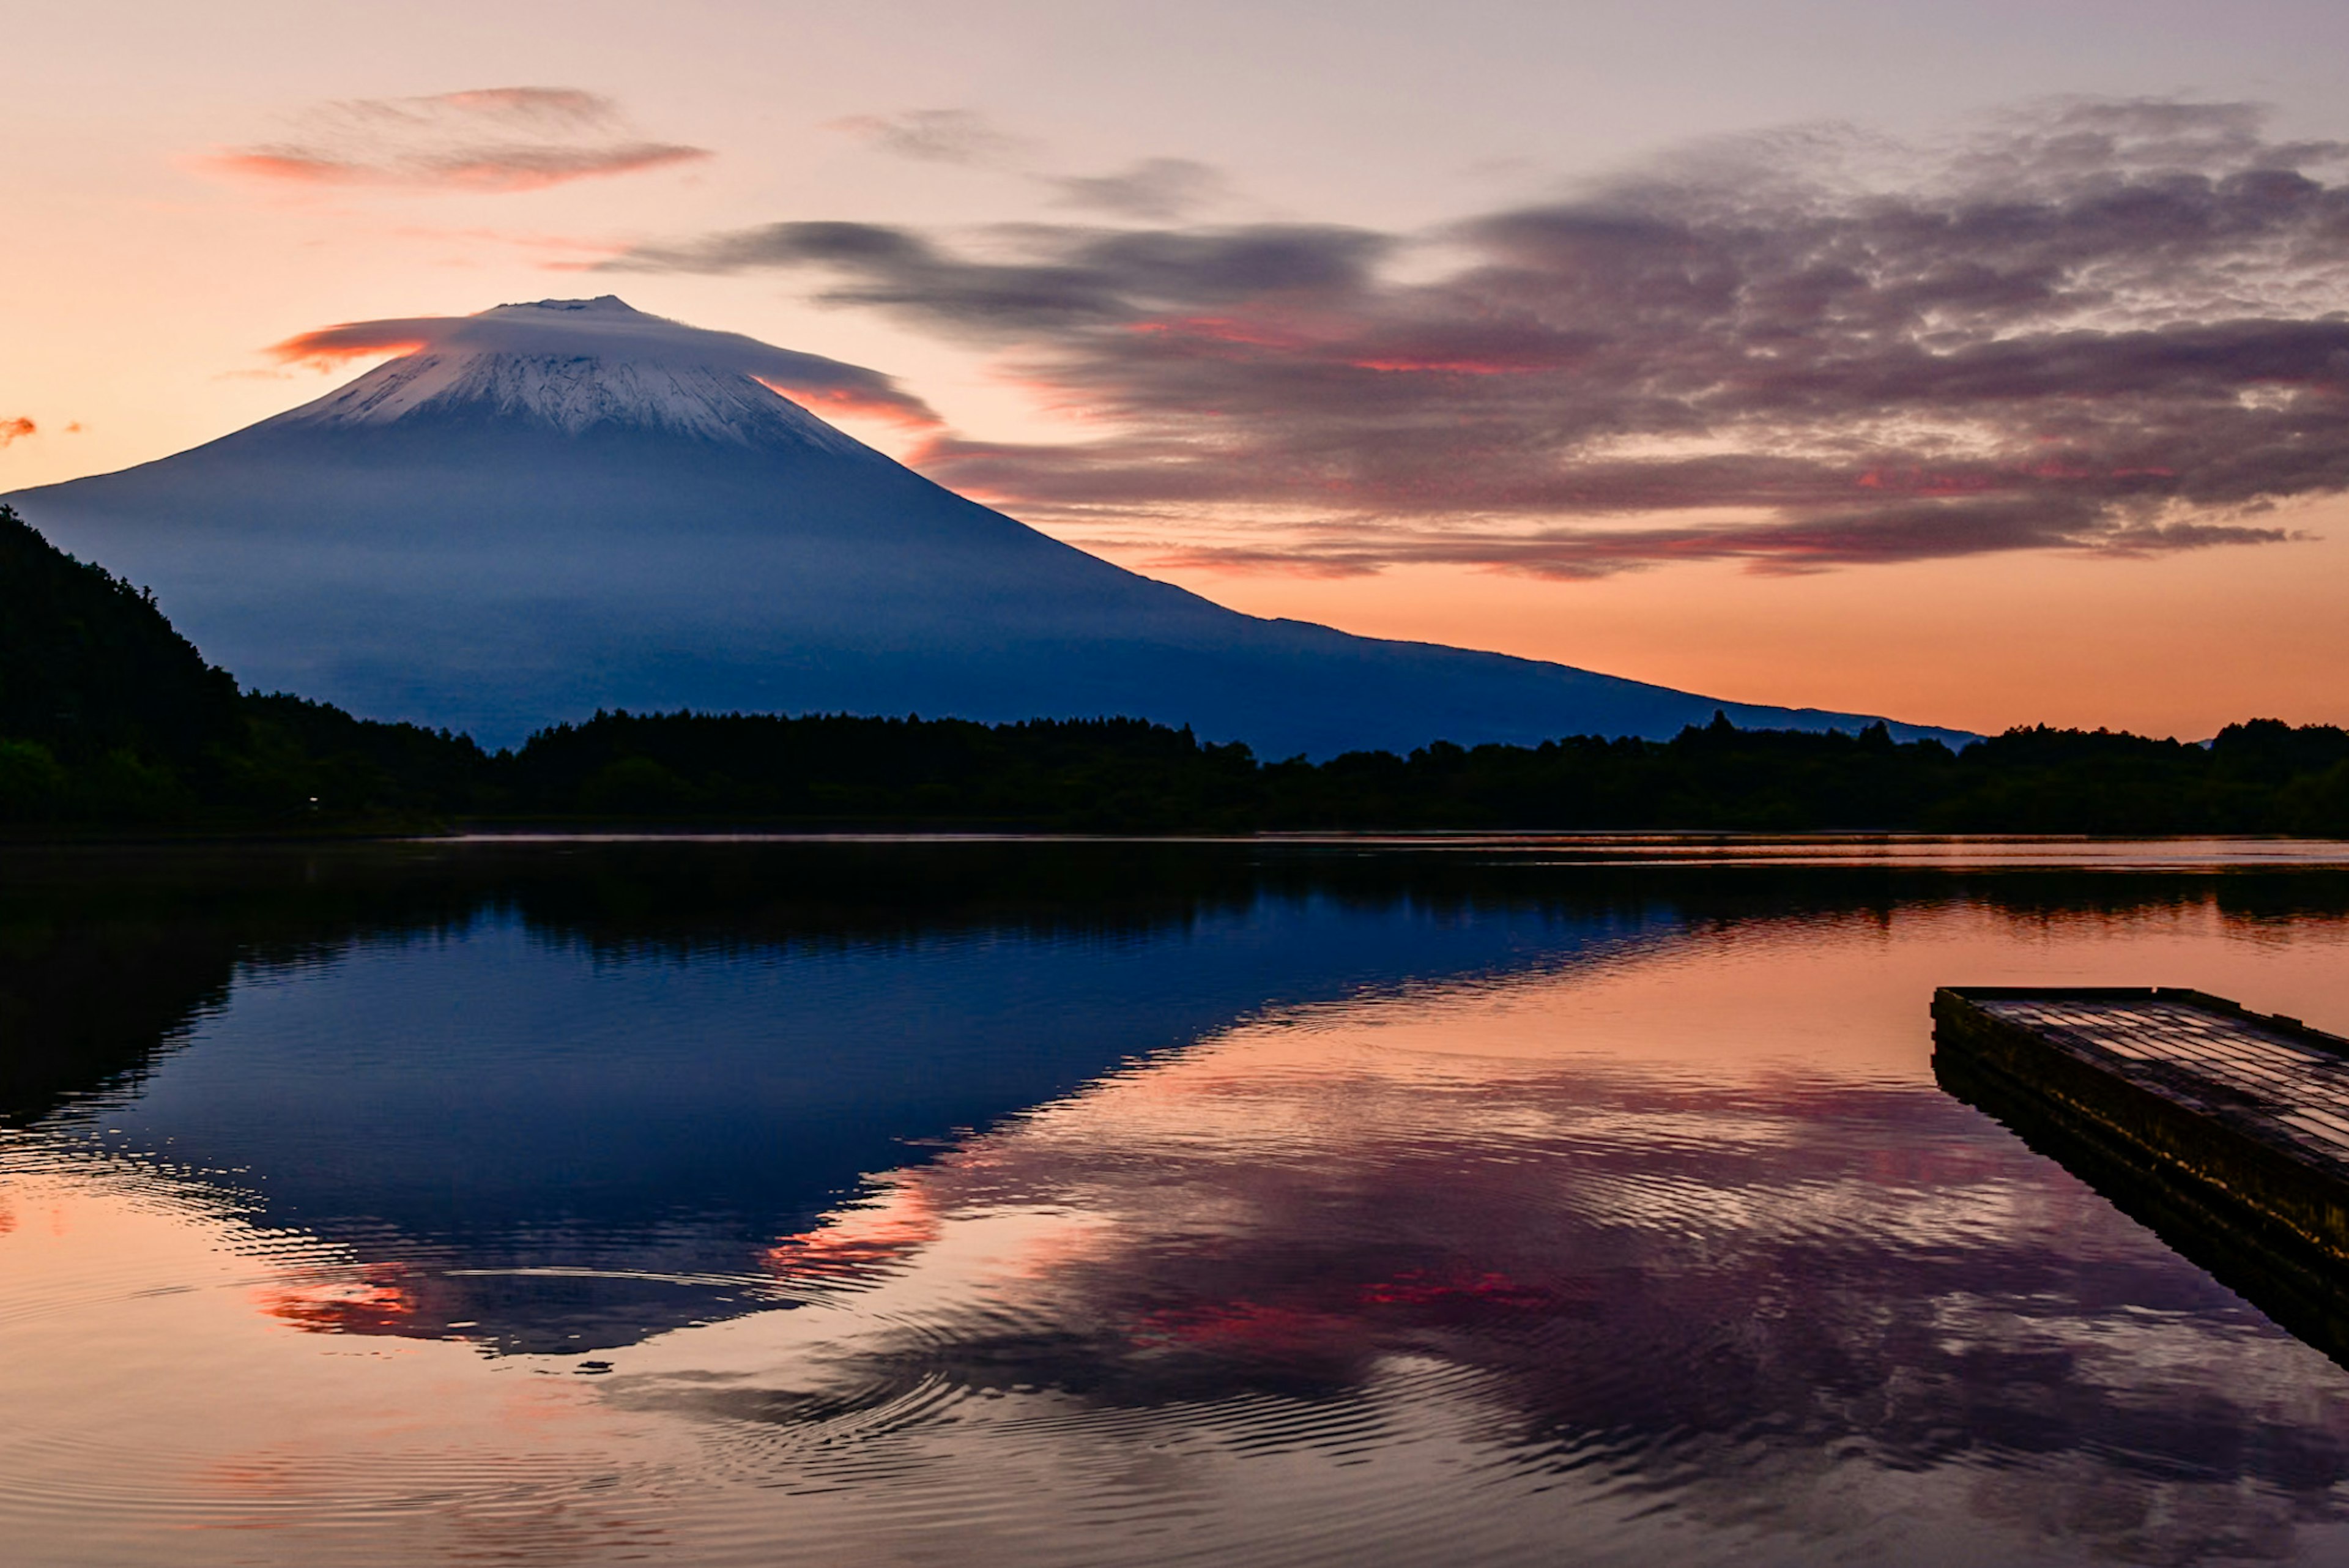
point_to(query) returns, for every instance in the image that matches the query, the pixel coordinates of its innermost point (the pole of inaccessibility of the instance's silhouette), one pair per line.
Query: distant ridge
(570, 505)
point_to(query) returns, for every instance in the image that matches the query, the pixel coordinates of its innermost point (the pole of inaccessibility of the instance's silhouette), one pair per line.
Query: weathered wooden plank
(2225, 1130)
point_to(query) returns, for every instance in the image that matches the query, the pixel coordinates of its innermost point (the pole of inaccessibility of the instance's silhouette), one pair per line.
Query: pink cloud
(484, 169)
(888, 405)
(489, 140)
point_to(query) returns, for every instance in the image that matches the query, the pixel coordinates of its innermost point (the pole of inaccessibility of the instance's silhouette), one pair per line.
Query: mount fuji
(550, 508)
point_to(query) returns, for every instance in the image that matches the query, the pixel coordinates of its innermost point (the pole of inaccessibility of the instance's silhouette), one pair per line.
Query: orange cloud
(485, 169)
(887, 404)
(490, 139)
(18, 429)
(331, 345)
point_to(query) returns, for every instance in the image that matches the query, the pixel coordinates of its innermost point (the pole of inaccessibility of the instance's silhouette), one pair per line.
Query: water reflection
(1072, 1203)
(2297, 1285)
(1711, 1317)
(574, 1106)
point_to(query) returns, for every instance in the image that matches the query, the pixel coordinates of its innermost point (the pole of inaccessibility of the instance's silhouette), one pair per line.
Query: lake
(1569, 1200)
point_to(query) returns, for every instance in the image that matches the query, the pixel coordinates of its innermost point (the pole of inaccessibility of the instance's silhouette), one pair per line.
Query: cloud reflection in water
(1698, 1308)
(1597, 1217)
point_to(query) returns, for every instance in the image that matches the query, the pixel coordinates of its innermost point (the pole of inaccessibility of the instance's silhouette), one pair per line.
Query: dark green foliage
(305, 756)
(32, 784)
(2316, 805)
(1712, 777)
(109, 718)
(1120, 775)
(89, 666)
(1098, 773)
(2269, 752)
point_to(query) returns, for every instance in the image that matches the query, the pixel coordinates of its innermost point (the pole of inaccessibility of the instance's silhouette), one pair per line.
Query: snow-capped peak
(577, 365)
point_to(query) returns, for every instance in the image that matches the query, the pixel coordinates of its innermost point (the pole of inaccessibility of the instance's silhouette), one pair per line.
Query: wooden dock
(2224, 1130)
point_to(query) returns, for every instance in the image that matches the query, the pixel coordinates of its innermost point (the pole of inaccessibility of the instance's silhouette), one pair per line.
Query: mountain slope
(572, 506)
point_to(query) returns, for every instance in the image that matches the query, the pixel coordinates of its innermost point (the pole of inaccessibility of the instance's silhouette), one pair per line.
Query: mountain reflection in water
(1042, 1203)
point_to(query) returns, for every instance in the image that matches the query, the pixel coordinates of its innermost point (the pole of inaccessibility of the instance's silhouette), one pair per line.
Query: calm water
(1033, 1203)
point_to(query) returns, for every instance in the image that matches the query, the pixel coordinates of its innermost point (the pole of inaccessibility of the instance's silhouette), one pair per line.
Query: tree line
(109, 718)
(302, 763)
(1127, 776)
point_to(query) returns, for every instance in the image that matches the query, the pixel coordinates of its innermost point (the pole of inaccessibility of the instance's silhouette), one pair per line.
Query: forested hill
(88, 665)
(109, 716)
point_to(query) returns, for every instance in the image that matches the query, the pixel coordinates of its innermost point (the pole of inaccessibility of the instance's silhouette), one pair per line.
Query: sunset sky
(1977, 365)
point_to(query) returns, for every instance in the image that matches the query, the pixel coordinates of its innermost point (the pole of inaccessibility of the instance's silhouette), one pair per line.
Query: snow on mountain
(548, 509)
(572, 365)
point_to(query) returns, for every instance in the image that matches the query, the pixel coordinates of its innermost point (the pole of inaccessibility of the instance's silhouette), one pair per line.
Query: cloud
(957, 136)
(487, 140)
(2111, 327)
(1156, 188)
(1784, 548)
(1153, 187)
(621, 335)
(16, 430)
(1087, 280)
(1354, 1243)
(327, 346)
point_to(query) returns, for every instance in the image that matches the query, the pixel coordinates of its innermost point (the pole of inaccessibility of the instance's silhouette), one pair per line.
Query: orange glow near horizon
(2180, 646)
(846, 403)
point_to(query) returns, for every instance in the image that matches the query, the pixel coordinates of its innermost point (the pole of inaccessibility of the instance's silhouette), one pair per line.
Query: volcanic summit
(551, 508)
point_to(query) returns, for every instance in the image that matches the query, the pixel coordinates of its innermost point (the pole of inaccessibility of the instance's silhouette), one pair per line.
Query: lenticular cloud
(2114, 328)
(614, 335)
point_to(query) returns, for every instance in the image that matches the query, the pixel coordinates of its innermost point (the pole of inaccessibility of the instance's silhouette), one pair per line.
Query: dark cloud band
(2106, 326)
